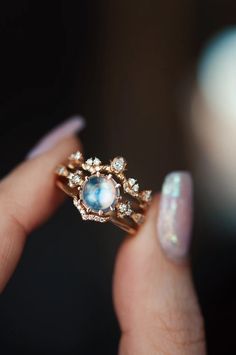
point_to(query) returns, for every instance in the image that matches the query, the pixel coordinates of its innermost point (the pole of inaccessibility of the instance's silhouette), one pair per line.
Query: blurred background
(156, 82)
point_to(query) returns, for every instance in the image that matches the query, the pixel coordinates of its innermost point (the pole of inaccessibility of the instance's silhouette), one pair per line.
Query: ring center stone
(99, 193)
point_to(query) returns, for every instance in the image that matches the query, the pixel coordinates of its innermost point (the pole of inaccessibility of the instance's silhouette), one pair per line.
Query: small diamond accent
(61, 170)
(92, 165)
(89, 161)
(136, 187)
(74, 180)
(76, 156)
(131, 181)
(132, 190)
(146, 195)
(125, 209)
(122, 207)
(70, 184)
(96, 161)
(118, 164)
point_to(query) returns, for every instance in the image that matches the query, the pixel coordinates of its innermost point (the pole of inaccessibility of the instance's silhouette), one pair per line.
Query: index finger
(28, 196)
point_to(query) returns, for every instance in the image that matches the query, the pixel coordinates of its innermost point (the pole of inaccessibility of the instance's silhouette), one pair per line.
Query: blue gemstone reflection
(99, 193)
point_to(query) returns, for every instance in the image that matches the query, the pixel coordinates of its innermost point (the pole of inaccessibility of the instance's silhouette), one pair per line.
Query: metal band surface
(102, 192)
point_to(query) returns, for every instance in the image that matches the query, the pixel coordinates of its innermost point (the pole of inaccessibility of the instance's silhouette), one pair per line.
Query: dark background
(127, 66)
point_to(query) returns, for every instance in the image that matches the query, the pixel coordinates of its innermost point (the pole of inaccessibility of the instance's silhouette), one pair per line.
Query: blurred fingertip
(69, 127)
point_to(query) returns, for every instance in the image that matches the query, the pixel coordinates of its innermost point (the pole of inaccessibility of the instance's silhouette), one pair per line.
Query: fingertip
(30, 190)
(174, 222)
(66, 129)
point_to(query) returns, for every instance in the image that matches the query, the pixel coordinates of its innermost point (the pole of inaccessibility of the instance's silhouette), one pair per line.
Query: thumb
(153, 292)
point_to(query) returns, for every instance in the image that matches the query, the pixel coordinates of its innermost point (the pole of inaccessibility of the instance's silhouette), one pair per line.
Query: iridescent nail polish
(175, 215)
(65, 129)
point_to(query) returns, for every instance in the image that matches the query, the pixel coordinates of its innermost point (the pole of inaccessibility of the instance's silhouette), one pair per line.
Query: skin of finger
(154, 298)
(28, 196)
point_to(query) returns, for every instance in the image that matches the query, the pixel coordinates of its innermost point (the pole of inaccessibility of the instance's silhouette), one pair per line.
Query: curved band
(102, 192)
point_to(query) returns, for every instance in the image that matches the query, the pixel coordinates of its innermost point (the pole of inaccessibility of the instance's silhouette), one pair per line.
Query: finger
(28, 196)
(154, 296)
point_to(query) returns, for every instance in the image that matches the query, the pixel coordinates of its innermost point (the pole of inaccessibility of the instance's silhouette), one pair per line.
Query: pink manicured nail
(175, 215)
(69, 127)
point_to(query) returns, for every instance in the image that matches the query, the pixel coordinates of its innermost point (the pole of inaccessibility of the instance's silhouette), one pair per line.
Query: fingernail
(175, 215)
(67, 128)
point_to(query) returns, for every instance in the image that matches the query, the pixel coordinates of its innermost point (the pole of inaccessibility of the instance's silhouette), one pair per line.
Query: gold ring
(102, 192)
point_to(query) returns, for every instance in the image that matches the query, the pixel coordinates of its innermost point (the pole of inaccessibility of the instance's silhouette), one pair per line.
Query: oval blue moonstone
(99, 193)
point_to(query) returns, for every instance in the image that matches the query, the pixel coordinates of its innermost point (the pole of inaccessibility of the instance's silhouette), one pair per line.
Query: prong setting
(103, 192)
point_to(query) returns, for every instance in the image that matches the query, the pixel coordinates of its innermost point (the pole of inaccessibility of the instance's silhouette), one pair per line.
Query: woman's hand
(154, 297)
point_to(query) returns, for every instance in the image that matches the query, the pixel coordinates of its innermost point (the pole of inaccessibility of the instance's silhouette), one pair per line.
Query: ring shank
(124, 225)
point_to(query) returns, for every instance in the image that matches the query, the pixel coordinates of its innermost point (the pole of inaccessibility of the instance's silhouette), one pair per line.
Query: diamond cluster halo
(102, 192)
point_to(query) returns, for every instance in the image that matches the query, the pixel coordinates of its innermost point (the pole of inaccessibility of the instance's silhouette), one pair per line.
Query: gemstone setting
(99, 194)
(74, 180)
(125, 209)
(76, 156)
(103, 192)
(118, 164)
